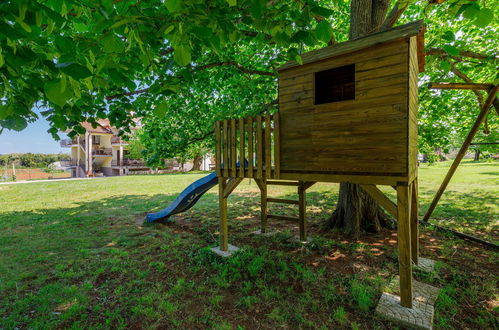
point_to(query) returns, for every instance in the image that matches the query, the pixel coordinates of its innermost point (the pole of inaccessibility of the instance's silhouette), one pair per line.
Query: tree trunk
(356, 211)
(196, 163)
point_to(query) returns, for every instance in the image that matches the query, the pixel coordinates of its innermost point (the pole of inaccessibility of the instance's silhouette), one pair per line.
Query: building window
(96, 139)
(335, 85)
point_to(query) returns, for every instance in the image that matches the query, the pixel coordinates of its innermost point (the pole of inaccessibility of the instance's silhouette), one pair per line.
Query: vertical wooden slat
(241, 148)
(259, 147)
(414, 222)
(218, 151)
(224, 231)
(225, 149)
(250, 147)
(268, 148)
(233, 148)
(404, 245)
(302, 210)
(277, 147)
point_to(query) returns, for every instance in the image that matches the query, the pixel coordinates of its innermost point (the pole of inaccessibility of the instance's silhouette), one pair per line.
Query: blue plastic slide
(187, 198)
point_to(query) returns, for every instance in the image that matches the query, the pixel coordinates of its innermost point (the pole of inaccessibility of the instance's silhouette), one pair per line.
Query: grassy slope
(75, 253)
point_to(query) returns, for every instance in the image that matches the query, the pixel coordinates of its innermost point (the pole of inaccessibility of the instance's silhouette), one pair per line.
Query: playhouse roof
(399, 32)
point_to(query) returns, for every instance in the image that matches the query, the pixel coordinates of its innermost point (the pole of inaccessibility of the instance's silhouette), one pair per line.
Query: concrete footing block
(225, 254)
(420, 316)
(425, 265)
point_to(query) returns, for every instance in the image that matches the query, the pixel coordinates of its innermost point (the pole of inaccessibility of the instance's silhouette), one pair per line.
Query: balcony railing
(129, 162)
(68, 143)
(103, 152)
(248, 147)
(118, 140)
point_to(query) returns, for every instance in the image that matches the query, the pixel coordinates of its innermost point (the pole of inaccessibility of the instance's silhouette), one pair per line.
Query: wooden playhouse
(347, 114)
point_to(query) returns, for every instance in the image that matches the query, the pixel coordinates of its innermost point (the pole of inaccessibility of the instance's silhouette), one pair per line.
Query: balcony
(129, 162)
(118, 140)
(68, 143)
(107, 152)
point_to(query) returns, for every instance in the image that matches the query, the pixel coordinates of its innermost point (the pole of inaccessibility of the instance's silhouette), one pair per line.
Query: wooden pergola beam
(447, 85)
(467, 142)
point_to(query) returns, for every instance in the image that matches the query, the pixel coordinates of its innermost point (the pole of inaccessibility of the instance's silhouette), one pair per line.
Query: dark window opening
(335, 85)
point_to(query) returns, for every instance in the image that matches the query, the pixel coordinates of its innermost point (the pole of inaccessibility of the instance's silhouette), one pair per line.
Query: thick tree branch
(462, 53)
(200, 68)
(394, 15)
(236, 65)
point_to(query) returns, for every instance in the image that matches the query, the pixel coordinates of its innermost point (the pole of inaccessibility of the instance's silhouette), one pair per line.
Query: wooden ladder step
(284, 201)
(282, 183)
(282, 217)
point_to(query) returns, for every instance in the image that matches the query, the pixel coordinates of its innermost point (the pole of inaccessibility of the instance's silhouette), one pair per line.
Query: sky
(33, 138)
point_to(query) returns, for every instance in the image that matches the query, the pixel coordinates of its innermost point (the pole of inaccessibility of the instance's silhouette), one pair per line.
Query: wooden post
(302, 211)
(224, 231)
(481, 116)
(404, 245)
(262, 184)
(414, 222)
(225, 147)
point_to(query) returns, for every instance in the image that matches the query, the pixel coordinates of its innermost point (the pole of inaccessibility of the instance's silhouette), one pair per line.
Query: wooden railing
(248, 147)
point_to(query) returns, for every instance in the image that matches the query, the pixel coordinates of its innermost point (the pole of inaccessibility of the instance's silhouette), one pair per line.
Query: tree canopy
(182, 64)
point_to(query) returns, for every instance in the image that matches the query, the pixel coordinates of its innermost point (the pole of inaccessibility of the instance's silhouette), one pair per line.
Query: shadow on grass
(472, 213)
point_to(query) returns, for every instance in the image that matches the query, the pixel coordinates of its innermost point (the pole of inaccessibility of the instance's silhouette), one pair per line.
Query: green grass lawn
(75, 254)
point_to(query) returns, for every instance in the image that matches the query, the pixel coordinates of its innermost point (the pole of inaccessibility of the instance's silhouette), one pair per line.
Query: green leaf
(324, 31)
(232, 3)
(56, 93)
(65, 45)
(75, 70)
(484, 17)
(449, 36)
(322, 11)
(445, 66)
(2, 61)
(298, 59)
(182, 55)
(257, 8)
(471, 11)
(173, 5)
(160, 109)
(451, 50)
(112, 44)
